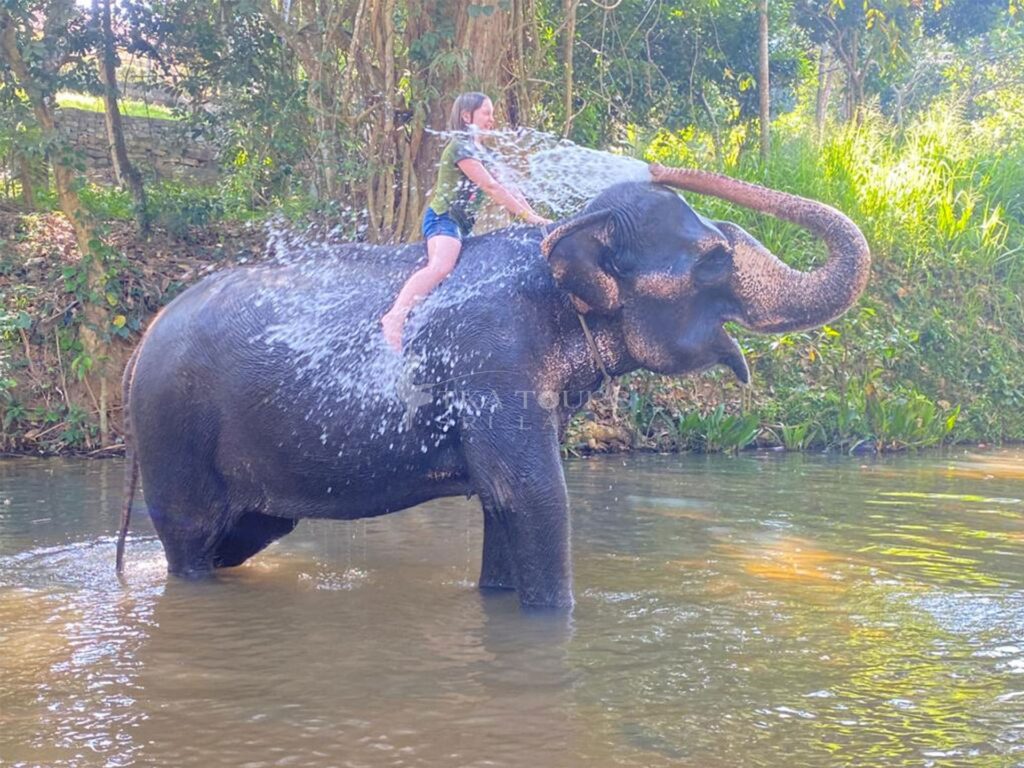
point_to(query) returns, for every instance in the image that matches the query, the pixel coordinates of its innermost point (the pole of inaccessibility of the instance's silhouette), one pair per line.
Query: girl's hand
(537, 221)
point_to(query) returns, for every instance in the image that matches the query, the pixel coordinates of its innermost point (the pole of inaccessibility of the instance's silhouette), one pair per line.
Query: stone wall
(158, 148)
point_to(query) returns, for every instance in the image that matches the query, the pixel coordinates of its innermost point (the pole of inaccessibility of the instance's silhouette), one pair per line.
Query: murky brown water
(765, 610)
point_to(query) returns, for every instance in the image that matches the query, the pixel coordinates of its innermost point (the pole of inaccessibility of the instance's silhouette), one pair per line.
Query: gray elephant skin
(264, 394)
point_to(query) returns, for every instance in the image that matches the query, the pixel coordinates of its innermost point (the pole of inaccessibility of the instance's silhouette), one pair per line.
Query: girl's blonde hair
(470, 102)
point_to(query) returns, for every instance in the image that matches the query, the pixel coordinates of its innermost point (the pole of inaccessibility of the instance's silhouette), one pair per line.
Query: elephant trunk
(775, 297)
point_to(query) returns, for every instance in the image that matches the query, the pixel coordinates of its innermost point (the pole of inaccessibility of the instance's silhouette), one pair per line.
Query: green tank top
(454, 193)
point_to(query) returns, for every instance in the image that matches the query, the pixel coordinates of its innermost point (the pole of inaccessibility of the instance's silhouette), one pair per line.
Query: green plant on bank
(54, 425)
(9, 326)
(57, 423)
(717, 431)
(861, 414)
(13, 411)
(643, 414)
(794, 437)
(908, 421)
(655, 423)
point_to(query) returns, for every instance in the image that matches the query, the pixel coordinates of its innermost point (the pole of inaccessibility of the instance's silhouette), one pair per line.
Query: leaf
(119, 321)
(951, 421)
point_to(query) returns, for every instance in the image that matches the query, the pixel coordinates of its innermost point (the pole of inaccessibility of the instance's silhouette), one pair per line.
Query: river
(759, 610)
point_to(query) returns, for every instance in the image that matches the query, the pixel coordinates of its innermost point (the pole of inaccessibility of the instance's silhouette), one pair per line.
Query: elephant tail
(131, 466)
(131, 476)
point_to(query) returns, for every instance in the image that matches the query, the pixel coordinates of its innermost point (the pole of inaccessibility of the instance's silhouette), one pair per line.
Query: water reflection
(762, 610)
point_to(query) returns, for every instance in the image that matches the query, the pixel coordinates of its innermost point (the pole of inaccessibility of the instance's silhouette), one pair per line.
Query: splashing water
(554, 173)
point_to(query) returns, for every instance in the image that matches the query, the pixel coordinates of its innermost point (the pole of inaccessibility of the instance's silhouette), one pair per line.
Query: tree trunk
(824, 90)
(312, 33)
(125, 172)
(93, 314)
(28, 194)
(849, 53)
(524, 40)
(496, 35)
(429, 115)
(569, 37)
(764, 92)
(486, 37)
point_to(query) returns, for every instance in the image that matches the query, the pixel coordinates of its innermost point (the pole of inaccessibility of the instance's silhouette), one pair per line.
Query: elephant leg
(496, 570)
(188, 547)
(187, 498)
(515, 467)
(251, 533)
(539, 536)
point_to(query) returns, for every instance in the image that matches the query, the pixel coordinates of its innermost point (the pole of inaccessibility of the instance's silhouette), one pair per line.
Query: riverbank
(47, 405)
(47, 409)
(932, 353)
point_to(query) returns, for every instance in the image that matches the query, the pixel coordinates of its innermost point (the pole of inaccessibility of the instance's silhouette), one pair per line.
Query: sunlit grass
(941, 202)
(89, 103)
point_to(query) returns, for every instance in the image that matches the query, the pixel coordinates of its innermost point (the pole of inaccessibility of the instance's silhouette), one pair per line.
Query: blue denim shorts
(440, 224)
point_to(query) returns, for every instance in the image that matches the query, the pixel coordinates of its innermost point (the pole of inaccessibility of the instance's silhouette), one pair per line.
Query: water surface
(764, 610)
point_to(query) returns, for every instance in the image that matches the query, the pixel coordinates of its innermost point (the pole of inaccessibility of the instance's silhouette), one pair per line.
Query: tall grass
(941, 326)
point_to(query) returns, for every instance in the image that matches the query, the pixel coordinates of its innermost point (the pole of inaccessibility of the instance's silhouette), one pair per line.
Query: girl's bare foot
(393, 325)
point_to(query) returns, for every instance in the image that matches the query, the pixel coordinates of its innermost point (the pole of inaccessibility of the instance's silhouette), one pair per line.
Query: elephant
(264, 394)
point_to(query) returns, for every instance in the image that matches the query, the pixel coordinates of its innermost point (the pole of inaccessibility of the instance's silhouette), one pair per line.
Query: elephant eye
(713, 266)
(620, 262)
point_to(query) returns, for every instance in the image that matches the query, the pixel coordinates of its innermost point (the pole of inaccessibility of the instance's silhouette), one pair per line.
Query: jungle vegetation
(906, 115)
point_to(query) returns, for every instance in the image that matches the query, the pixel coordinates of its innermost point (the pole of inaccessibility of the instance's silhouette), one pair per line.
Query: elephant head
(639, 253)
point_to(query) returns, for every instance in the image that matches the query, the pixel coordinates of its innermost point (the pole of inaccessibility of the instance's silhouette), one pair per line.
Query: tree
(676, 63)
(569, 8)
(386, 71)
(35, 54)
(763, 85)
(869, 37)
(124, 171)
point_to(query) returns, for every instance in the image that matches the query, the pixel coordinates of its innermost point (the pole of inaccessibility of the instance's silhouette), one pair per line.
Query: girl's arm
(519, 208)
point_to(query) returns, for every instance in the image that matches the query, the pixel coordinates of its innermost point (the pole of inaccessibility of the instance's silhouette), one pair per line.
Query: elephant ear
(581, 253)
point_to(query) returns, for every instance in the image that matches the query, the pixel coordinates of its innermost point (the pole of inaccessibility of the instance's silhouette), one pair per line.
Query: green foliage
(44, 429)
(107, 203)
(935, 350)
(180, 208)
(908, 421)
(930, 170)
(672, 64)
(795, 437)
(654, 417)
(644, 413)
(717, 431)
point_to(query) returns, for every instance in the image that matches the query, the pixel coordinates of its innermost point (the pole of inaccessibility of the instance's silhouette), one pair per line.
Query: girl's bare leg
(442, 253)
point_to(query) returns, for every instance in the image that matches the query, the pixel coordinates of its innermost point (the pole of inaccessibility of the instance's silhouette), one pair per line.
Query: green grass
(936, 349)
(89, 103)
